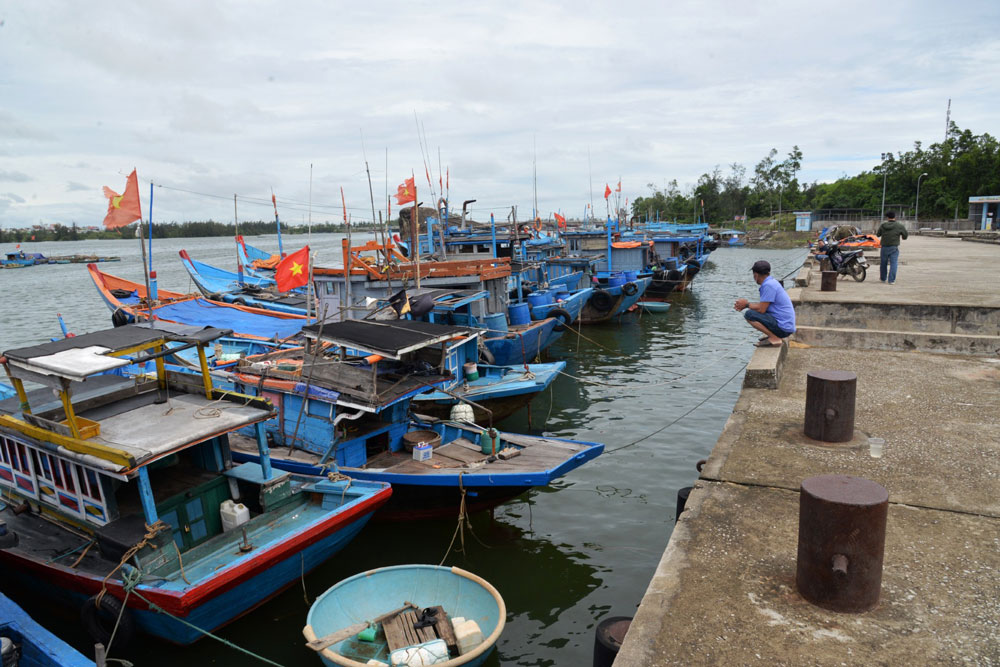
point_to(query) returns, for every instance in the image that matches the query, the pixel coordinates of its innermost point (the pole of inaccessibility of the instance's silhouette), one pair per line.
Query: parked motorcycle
(846, 262)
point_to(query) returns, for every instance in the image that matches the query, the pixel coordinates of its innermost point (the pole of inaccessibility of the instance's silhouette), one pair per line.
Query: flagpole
(145, 271)
(151, 290)
(345, 313)
(236, 222)
(277, 224)
(416, 228)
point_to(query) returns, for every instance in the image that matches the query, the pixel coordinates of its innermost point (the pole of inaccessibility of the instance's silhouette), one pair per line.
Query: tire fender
(602, 299)
(563, 315)
(630, 289)
(99, 620)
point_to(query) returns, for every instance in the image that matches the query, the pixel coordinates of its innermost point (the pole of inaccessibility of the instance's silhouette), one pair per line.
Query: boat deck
(536, 454)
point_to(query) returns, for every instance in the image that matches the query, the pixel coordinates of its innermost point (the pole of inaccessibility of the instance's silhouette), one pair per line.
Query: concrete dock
(926, 352)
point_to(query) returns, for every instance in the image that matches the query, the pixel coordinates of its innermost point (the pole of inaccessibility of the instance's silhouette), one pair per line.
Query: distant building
(985, 210)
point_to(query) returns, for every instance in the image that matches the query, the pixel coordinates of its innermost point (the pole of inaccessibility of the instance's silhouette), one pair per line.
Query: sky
(512, 100)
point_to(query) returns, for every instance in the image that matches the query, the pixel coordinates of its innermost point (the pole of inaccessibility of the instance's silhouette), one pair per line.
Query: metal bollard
(841, 542)
(830, 405)
(828, 281)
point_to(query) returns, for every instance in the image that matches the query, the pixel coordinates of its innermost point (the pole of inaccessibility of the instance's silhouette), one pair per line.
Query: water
(564, 557)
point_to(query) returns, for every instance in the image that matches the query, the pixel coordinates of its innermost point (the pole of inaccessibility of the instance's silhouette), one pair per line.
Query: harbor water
(656, 389)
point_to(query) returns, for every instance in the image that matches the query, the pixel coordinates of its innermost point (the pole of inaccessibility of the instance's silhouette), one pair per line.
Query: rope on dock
(699, 404)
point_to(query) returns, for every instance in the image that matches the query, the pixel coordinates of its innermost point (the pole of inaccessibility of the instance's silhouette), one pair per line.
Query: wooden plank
(340, 635)
(394, 635)
(445, 631)
(409, 618)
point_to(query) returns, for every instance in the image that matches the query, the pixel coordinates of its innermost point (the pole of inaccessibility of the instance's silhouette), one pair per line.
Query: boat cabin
(108, 453)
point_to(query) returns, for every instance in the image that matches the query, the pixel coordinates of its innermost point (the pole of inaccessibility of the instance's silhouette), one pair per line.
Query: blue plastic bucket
(616, 280)
(519, 313)
(497, 321)
(539, 299)
(631, 276)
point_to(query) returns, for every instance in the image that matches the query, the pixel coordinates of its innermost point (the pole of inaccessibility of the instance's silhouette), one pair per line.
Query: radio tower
(947, 121)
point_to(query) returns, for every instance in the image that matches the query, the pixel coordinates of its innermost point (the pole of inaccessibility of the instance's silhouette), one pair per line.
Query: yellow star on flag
(296, 269)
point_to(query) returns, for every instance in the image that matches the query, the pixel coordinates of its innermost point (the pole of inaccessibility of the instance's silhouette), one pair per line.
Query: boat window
(4, 455)
(68, 476)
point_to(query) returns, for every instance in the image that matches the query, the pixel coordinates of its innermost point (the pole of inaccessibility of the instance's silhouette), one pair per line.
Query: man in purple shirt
(773, 315)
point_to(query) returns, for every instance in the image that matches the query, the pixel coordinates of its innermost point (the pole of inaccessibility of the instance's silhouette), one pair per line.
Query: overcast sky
(224, 98)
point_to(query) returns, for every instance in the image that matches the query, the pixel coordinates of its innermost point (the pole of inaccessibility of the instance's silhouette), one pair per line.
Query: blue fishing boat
(352, 414)
(128, 302)
(21, 258)
(241, 289)
(123, 501)
(24, 642)
(454, 614)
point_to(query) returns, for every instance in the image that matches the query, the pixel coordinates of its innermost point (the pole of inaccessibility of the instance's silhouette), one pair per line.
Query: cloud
(14, 176)
(208, 100)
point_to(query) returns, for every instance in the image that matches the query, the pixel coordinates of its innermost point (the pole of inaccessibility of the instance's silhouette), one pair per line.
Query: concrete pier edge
(724, 592)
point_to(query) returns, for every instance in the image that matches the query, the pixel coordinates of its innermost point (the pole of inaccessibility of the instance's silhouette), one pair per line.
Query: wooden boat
(351, 605)
(25, 642)
(245, 290)
(128, 303)
(358, 421)
(122, 492)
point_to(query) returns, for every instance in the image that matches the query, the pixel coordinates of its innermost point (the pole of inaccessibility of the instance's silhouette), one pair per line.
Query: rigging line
(289, 203)
(699, 404)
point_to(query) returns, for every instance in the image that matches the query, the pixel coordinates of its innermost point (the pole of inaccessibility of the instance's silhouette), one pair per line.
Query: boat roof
(78, 357)
(389, 338)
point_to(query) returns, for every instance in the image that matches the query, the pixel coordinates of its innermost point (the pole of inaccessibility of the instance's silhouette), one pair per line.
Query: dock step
(899, 341)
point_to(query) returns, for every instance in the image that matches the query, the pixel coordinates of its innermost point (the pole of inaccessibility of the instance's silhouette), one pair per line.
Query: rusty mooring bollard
(841, 542)
(830, 405)
(828, 281)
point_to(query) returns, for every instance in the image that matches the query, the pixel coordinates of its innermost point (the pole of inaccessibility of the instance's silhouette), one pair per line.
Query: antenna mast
(947, 121)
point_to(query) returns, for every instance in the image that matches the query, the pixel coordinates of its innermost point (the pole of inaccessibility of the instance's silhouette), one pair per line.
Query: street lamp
(916, 215)
(884, 175)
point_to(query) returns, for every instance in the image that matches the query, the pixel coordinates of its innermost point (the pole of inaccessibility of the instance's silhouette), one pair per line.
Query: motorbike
(846, 262)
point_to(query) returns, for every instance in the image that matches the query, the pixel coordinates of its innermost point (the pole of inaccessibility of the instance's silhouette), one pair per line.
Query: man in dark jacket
(890, 232)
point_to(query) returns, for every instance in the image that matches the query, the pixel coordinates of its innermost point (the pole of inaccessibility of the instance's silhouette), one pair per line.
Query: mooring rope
(698, 405)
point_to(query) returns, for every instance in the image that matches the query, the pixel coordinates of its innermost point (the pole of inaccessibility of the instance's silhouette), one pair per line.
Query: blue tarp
(201, 312)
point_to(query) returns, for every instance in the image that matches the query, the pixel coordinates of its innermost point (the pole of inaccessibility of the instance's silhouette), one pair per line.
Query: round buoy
(608, 639)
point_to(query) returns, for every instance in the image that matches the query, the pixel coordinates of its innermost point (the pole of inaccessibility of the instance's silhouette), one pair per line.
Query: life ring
(561, 314)
(538, 224)
(99, 620)
(630, 289)
(602, 300)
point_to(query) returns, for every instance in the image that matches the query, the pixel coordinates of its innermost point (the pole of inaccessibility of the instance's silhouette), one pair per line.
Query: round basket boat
(654, 306)
(369, 595)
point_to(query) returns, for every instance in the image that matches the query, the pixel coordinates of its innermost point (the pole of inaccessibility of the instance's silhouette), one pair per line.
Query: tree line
(949, 172)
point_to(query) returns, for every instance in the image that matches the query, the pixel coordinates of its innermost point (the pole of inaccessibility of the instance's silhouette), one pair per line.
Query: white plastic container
(423, 452)
(433, 652)
(233, 515)
(468, 636)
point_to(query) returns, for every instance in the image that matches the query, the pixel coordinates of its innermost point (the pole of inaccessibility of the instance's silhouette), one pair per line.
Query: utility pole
(947, 121)
(884, 175)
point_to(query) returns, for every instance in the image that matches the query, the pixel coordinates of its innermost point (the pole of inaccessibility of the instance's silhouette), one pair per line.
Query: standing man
(890, 232)
(773, 315)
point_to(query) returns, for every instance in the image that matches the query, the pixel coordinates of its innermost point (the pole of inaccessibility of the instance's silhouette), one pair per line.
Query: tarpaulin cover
(202, 312)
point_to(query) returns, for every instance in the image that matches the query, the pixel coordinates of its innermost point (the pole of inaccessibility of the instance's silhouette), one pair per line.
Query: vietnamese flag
(607, 190)
(123, 209)
(561, 219)
(293, 270)
(406, 192)
(619, 188)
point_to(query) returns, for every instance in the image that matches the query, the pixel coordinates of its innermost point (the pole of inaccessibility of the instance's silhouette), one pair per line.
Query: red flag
(123, 209)
(407, 192)
(344, 203)
(293, 270)
(607, 190)
(561, 219)
(619, 188)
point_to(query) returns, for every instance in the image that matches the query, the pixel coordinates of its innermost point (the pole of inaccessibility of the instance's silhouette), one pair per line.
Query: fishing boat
(402, 614)
(259, 292)
(126, 503)
(128, 302)
(24, 642)
(352, 414)
(21, 258)
(370, 280)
